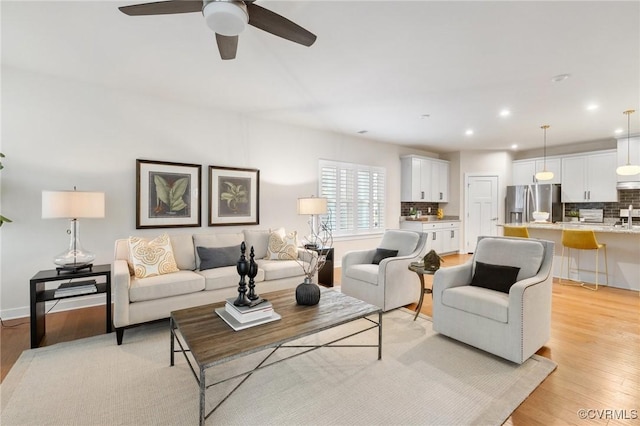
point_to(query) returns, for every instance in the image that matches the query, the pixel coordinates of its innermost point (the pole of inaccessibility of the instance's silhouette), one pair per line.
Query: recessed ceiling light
(362, 132)
(618, 131)
(423, 116)
(592, 107)
(514, 146)
(505, 113)
(469, 132)
(560, 77)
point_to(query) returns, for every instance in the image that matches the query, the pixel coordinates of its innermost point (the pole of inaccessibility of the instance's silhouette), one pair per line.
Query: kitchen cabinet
(424, 179)
(442, 236)
(523, 171)
(589, 177)
(634, 156)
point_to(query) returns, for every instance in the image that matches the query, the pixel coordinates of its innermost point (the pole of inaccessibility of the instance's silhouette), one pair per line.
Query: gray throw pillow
(494, 277)
(217, 257)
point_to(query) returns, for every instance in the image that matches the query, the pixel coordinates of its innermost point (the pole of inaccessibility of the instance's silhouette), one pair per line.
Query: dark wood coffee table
(211, 341)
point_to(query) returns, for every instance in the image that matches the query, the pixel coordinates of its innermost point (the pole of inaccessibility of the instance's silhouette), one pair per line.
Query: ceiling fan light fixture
(227, 18)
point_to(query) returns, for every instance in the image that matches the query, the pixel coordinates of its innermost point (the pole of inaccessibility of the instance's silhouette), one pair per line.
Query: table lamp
(313, 206)
(73, 205)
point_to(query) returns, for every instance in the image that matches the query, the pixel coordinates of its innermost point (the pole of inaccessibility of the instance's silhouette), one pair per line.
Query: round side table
(418, 268)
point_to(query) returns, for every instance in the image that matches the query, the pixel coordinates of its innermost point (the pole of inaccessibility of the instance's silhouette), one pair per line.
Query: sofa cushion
(217, 257)
(403, 241)
(217, 240)
(364, 272)
(479, 301)
(275, 270)
(168, 285)
(152, 257)
(382, 254)
(494, 277)
(282, 246)
(259, 240)
(526, 254)
(184, 251)
(225, 277)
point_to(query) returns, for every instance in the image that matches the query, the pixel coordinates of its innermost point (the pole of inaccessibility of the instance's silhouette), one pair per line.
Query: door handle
(434, 236)
(441, 195)
(422, 195)
(494, 218)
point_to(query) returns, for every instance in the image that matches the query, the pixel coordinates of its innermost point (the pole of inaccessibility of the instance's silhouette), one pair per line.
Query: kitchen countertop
(597, 227)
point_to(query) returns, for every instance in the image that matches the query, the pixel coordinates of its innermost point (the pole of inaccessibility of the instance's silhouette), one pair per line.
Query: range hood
(629, 184)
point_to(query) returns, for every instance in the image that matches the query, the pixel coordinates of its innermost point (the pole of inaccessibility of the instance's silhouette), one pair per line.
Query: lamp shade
(544, 175)
(72, 204)
(312, 205)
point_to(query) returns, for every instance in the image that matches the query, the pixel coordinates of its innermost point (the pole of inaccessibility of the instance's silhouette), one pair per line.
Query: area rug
(423, 378)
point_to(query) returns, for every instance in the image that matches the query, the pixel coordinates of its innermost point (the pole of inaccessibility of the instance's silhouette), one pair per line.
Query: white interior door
(481, 206)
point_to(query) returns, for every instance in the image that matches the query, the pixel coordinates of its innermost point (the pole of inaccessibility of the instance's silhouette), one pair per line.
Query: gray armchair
(389, 284)
(511, 325)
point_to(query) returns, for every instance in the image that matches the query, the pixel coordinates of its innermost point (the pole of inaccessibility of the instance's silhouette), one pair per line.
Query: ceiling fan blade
(278, 25)
(163, 7)
(227, 45)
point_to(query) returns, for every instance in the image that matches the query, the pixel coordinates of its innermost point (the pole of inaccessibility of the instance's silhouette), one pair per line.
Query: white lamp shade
(312, 205)
(544, 175)
(72, 204)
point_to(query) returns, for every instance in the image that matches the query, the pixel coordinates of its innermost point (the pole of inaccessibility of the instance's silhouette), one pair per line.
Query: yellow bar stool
(582, 239)
(515, 231)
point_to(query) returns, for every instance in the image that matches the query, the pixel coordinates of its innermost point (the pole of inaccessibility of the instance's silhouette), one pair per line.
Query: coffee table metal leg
(172, 336)
(203, 389)
(380, 335)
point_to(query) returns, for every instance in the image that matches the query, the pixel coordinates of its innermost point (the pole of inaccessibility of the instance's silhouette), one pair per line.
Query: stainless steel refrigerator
(523, 200)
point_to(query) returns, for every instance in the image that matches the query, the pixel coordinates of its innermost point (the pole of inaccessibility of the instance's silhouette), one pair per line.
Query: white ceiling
(376, 65)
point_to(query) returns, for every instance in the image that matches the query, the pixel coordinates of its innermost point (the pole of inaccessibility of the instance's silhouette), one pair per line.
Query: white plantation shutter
(355, 197)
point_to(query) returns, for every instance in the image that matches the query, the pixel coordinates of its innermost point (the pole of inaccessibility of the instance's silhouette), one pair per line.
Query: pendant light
(544, 174)
(628, 169)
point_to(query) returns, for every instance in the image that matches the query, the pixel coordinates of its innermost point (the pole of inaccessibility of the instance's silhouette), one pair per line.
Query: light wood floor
(595, 339)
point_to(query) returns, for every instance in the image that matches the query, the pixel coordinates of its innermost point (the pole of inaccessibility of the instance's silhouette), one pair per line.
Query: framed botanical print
(234, 196)
(167, 194)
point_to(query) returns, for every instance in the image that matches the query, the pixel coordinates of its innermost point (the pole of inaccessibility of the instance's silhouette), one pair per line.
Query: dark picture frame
(168, 194)
(234, 196)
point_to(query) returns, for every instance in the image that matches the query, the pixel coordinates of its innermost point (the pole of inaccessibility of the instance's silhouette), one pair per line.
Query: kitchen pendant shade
(544, 174)
(628, 169)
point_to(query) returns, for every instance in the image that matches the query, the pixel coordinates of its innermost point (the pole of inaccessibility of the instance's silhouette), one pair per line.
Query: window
(355, 197)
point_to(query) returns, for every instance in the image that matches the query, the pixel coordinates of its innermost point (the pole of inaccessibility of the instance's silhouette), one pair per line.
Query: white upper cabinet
(634, 156)
(524, 171)
(589, 178)
(424, 179)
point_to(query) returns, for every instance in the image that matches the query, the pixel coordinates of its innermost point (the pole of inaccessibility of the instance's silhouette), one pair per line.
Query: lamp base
(74, 268)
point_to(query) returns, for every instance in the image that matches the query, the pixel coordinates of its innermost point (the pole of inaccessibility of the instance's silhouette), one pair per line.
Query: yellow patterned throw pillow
(282, 246)
(152, 258)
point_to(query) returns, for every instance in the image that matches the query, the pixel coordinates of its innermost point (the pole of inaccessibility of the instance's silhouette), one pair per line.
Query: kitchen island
(623, 252)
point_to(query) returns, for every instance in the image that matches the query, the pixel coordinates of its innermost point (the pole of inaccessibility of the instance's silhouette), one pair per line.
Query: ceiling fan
(228, 18)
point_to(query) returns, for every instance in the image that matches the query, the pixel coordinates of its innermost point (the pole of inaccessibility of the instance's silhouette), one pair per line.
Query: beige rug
(423, 378)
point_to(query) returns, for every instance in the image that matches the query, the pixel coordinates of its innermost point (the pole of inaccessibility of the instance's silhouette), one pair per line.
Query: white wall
(58, 134)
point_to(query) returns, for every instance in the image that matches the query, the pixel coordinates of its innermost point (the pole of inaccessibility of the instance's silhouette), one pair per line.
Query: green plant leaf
(162, 189)
(176, 193)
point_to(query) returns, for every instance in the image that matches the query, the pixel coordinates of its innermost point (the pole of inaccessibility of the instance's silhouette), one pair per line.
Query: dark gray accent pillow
(217, 257)
(383, 254)
(494, 277)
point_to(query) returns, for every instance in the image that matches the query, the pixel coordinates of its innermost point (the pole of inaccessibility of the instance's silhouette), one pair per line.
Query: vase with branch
(321, 238)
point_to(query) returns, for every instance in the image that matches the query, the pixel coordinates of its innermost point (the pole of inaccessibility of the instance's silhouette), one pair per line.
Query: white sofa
(511, 325)
(389, 284)
(140, 300)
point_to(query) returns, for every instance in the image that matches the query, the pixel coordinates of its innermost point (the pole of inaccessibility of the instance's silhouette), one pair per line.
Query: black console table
(325, 275)
(40, 295)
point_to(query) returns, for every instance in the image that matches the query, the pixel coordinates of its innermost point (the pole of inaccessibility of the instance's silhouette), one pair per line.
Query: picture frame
(167, 194)
(234, 196)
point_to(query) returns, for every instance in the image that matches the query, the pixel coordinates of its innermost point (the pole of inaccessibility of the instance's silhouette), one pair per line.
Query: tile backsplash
(626, 197)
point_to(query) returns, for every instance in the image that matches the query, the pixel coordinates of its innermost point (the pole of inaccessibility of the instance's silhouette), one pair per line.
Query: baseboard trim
(63, 305)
